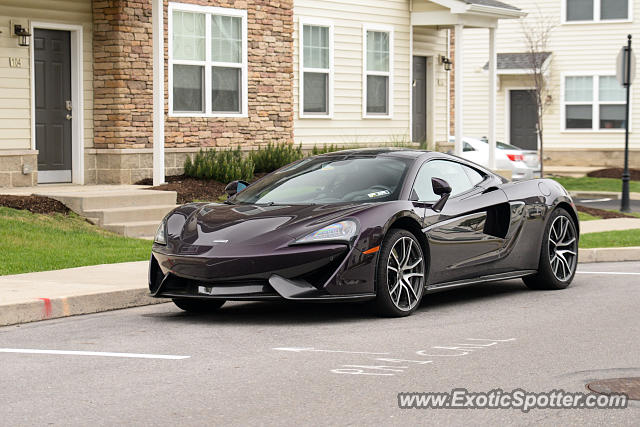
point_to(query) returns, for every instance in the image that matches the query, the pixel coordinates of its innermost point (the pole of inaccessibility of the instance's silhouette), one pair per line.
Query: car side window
(467, 147)
(451, 172)
(475, 176)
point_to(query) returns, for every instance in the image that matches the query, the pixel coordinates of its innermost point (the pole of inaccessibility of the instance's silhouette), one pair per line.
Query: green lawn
(596, 184)
(609, 239)
(32, 242)
(583, 216)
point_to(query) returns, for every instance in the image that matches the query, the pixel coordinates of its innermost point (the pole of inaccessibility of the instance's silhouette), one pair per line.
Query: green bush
(274, 156)
(220, 165)
(327, 149)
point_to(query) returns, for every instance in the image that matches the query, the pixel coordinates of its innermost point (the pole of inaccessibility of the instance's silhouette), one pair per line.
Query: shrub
(220, 165)
(274, 156)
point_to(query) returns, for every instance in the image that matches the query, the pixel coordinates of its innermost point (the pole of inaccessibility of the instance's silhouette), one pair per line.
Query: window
(452, 172)
(207, 61)
(593, 103)
(597, 10)
(378, 72)
(316, 69)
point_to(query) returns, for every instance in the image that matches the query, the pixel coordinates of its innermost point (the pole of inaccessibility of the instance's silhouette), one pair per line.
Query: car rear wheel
(198, 306)
(400, 274)
(558, 255)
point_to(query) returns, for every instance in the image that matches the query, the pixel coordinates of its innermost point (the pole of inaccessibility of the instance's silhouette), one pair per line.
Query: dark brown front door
(52, 70)
(419, 104)
(523, 120)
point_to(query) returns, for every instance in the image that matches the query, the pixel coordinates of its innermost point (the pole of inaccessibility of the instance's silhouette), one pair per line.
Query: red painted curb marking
(47, 306)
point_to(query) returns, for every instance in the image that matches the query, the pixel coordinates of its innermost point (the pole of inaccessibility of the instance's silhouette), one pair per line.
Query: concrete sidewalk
(612, 224)
(50, 294)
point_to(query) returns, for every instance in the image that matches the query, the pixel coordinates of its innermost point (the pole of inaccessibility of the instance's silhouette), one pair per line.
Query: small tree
(536, 33)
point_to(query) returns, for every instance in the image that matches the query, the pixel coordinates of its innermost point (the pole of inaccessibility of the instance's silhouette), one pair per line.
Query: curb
(631, 253)
(45, 308)
(601, 195)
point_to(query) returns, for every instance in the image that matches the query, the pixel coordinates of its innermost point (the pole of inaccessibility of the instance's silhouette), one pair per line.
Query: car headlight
(161, 235)
(340, 231)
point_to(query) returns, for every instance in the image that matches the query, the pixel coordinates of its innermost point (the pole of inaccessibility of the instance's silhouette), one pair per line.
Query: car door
(465, 238)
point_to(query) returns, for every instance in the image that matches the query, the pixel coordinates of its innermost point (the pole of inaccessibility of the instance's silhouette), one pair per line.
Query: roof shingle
(492, 3)
(516, 61)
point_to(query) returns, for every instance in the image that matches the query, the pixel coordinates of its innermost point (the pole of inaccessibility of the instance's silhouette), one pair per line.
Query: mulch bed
(192, 189)
(614, 173)
(189, 189)
(602, 213)
(35, 204)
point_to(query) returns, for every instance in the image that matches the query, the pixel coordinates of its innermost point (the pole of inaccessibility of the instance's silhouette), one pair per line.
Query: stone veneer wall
(123, 88)
(13, 164)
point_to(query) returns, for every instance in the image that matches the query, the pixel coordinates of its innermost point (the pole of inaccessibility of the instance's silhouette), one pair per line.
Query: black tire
(547, 278)
(199, 305)
(384, 304)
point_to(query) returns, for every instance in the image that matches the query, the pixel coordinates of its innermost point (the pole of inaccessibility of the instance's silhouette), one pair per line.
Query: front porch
(456, 15)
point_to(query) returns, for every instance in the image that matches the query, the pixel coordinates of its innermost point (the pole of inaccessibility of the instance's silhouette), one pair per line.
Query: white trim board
(301, 68)
(77, 95)
(382, 28)
(507, 112)
(208, 62)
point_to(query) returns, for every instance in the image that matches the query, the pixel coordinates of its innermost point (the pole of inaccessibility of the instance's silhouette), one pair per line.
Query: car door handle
(490, 189)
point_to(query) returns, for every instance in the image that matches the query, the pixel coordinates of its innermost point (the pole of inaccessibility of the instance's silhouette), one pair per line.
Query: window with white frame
(593, 103)
(316, 68)
(207, 61)
(378, 72)
(597, 10)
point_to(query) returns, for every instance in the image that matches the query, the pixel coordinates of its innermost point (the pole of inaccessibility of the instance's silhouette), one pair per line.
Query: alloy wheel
(405, 273)
(563, 248)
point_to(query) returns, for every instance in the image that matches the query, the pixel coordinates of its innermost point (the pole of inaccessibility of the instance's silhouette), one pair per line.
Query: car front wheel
(400, 274)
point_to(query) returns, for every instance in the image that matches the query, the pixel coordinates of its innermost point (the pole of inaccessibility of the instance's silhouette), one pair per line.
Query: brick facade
(123, 80)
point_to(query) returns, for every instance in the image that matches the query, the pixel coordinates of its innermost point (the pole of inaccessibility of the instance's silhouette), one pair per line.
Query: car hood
(233, 225)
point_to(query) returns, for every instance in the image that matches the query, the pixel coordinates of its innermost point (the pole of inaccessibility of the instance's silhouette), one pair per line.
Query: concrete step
(81, 202)
(138, 229)
(129, 214)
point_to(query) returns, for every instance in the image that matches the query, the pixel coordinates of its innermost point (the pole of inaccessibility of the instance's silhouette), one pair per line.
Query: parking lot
(280, 363)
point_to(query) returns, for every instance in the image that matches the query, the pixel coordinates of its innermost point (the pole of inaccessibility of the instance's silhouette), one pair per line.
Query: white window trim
(383, 28)
(330, 71)
(77, 94)
(208, 63)
(596, 15)
(507, 111)
(595, 103)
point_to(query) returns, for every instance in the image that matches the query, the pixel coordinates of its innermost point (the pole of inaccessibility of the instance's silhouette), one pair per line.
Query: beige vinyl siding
(577, 48)
(347, 126)
(432, 42)
(15, 85)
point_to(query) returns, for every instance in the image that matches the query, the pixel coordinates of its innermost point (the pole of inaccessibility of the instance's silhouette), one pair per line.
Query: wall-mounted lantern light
(22, 34)
(444, 61)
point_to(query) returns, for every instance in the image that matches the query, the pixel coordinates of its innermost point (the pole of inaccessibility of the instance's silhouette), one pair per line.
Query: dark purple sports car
(387, 225)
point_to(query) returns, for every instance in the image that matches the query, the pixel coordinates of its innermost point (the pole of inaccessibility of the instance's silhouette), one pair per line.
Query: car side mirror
(235, 187)
(442, 189)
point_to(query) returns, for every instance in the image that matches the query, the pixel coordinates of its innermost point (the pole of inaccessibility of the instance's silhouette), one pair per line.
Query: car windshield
(328, 180)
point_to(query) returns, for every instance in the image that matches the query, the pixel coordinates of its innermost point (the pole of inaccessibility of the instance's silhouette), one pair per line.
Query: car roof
(391, 151)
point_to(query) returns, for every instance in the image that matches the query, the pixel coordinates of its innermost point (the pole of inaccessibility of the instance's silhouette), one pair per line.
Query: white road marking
(595, 200)
(299, 349)
(622, 273)
(92, 353)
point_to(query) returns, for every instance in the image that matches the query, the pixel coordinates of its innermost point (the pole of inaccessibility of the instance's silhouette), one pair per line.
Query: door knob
(69, 117)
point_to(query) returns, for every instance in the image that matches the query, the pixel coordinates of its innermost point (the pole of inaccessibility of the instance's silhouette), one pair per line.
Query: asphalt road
(607, 203)
(238, 374)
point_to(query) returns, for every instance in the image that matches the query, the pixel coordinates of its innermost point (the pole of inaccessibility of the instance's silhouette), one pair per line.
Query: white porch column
(157, 13)
(492, 98)
(459, 87)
